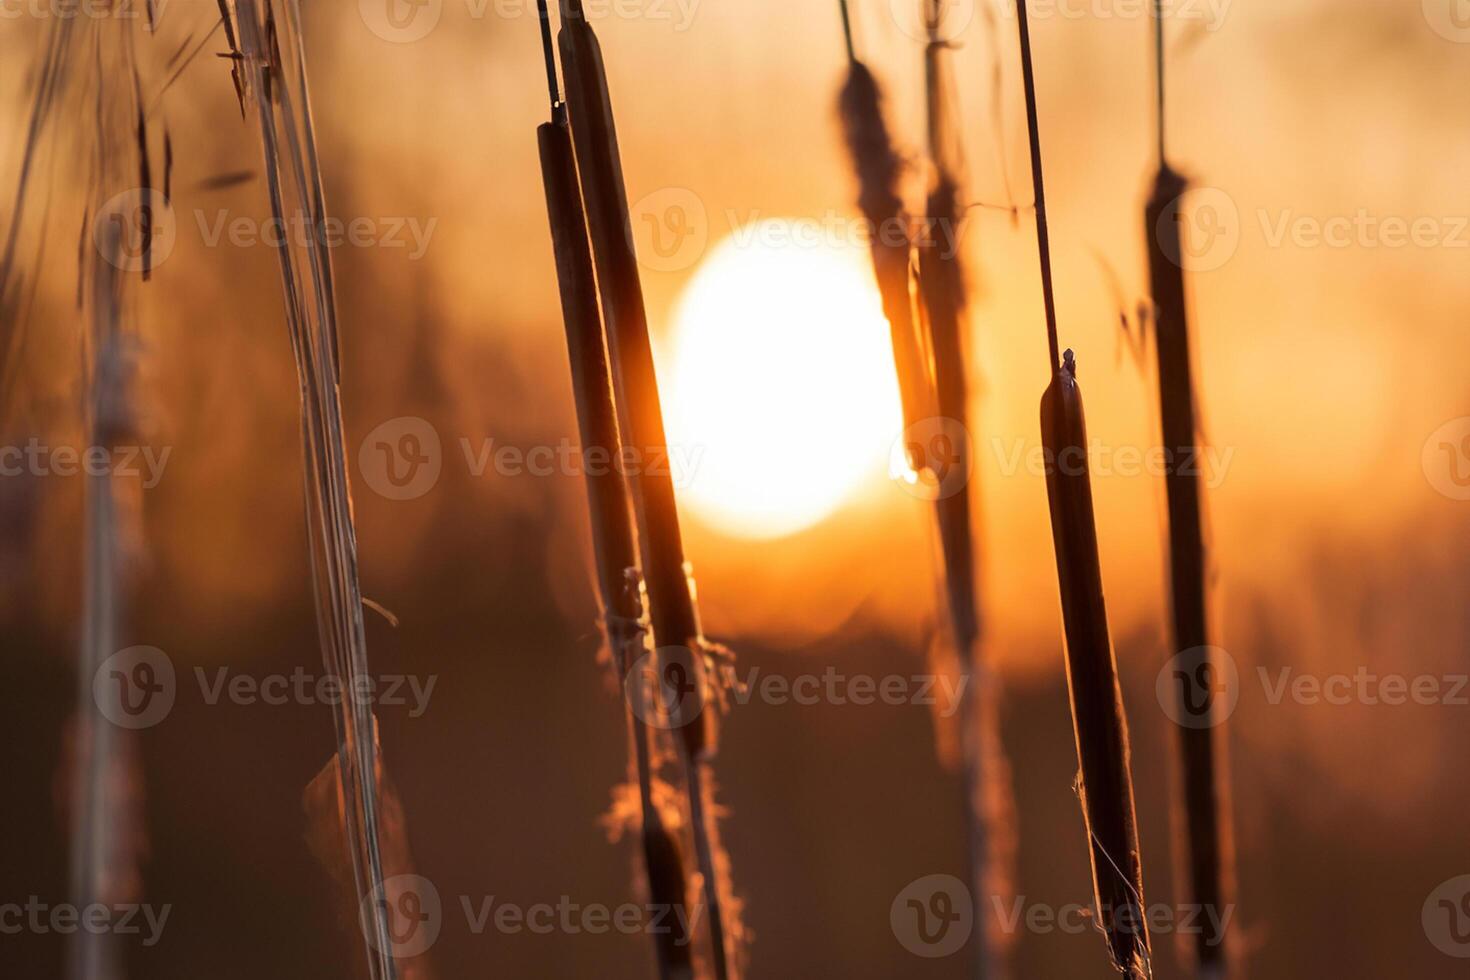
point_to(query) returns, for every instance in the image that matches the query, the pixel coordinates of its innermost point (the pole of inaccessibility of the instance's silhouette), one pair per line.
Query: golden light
(782, 395)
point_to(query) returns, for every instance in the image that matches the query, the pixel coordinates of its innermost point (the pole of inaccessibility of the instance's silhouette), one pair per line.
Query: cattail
(271, 74)
(614, 546)
(1204, 787)
(672, 612)
(878, 167)
(1105, 783)
(944, 295)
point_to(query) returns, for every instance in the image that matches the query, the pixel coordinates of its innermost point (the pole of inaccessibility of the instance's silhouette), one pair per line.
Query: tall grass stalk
(944, 294)
(1105, 783)
(271, 74)
(673, 615)
(1204, 806)
(105, 798)
(614, 546)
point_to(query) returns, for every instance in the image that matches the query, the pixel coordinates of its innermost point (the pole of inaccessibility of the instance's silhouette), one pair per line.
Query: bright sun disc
(782, 395)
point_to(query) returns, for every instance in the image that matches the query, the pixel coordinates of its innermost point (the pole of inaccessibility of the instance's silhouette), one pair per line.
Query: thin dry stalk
(672, 612)
(1105, 783)
(106, 818)
(614, 546)
(271, 76)
(945, 299)
(1204, 786)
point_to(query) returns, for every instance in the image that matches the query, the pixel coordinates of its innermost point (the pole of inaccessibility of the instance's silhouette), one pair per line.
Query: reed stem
(614, 546)
(943, 291)
(1204, 785)
(672, 611)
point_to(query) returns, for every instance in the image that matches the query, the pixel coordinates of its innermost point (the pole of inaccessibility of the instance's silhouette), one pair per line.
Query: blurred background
(1330, 356)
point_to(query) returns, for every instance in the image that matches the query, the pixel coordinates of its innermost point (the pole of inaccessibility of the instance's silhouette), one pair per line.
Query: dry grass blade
(1204, 787)
(614, 546)
(672, 612)
(272, 75)
(1105, 783)
(944, 295)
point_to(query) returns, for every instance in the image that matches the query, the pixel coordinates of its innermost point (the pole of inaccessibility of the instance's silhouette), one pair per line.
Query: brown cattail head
(1105, 784)
(607, 493)
(877, 163)
(673, 614)
(878, 167)
(614, 546)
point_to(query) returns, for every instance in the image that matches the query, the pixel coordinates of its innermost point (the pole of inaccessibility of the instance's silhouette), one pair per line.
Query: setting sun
(782, 385)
